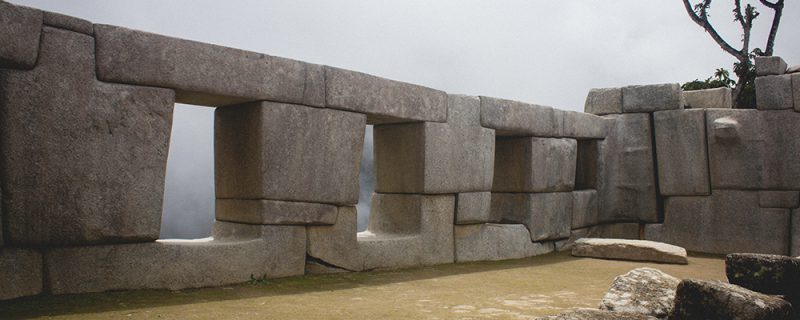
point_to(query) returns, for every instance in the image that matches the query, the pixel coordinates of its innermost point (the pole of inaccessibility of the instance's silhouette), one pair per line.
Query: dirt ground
(515, 289)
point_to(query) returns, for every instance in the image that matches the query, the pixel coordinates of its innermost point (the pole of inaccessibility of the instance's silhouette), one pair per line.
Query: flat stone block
(633, 250)
(201, 73)
(492, 242)
(277, 151)
(384, 100)
(584, 209)
(474, 207)
(727, 221)
(258, 251)
(699, 299)
(337, 244)
(584, 125)
(768, 66)
(611, 231)
(719, 98)
(20, 273)
(681, 151)
(66, 22)
(604, 101)
(100, 150)
(779, 199)
(774, 92)
(274, 212)
(548, 216)
(20, 30)
(514, 118)
(650, 98)
(531, 164)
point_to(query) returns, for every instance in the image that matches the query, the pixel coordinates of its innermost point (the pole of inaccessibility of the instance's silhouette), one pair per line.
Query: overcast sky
(545, 52)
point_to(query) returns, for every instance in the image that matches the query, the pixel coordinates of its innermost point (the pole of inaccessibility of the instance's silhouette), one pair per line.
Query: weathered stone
(201, 73)
(794, 246)
(279, 151)
(336, 245)
(62, 21)
(725, 222)
(626, 186)
(481, 242)
(611, 231)
(764, 273)
(604, 101)
(796, 90)
(274, 212)
(636, 250)
(584, 209)
(100, 150)
(698, 299)
(594, 314)
(584, 125)
(514, 118)
(384, 100)
(474, 207)
(547, 215)
(530, 164)
(463, 109)
(258, 251)
(779, 199)
(20, 30)
(681, 150)
(20, 273)
(643, 290)
(719, 98)
(649, 98)
(435, 158)
(772, 65)
(793, 69)
(774, 92)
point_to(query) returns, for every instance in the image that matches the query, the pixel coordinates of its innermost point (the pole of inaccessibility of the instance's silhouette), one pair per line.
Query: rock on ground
(646, 291)
(698, 299)
(636, 250)
(592, 314)
(766, 273)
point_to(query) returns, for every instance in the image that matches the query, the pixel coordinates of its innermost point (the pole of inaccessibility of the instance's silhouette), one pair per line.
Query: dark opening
(586, 166)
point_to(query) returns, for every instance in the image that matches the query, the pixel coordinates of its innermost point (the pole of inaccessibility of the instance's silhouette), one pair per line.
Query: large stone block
(632, 250)
(514, 118)
(482, 242)
(698, 299)
(20, 31)
(279, 151)
(274, 212)
(337, 245)
(548, 216)
(237, 253)
(604, 101)
(768, 66)
(584, 209)
(584, 125)
(774, 92)
(83, 161)
(681, 151)
(21, 273)
(531, 164)
(384, 100)
(727, 221)
(475, 207)
(62, 21)
(779, 199)
(202, 73)
(435, 158)
(719, 98)
(650, 98)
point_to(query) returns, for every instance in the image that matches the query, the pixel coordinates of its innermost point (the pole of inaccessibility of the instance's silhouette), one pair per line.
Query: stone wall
(85, 120)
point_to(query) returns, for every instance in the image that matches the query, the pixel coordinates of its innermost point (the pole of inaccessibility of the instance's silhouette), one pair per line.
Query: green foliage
(746, 71)
(720, 79)
(258, 281)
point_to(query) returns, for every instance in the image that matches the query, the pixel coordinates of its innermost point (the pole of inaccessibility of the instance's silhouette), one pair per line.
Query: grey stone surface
(725, 222)
(20, 30)
(604, 101)
(514, 118)
(612, 231)
(530, 164)
(474, 207)
(547, 216)
(774, 92)
(435, 158)
(796, 91)
(794, 245)
(626, 186)
(463, 110)
(274, 212)
(63, 21)
(779, 199)
(584, 125)
(280, 151)
(645, 291)
(793, 69)
(699, 299)
(595, 314)
(767, 66)
(100, 150)
(719, 98)
(337, 244)
(384, 100)
(204, 74)
(681, 151)
(21, 273)
(634, 250)
(765, 273)
(482, 242)
(649, 98)
(584, 209)
(258, 251)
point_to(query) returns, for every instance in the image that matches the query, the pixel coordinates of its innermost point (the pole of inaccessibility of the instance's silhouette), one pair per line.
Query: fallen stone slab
(698, 299)
(774, 92)
(650, 98)
(636, 250)
(627, 230)
(20, 30)
(21, 273)
(492, 242)
(604, 101)
(645, 291)
(514, 118)
(274, 212)
(765, 273)
(681, 151)
(768, 66)
(594, 314)
(719, 98)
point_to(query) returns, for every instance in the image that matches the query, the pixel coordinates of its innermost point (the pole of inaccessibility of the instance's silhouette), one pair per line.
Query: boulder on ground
(646, 291)
(593, 314)
(698, 299)
(636, 250)
(765, 273)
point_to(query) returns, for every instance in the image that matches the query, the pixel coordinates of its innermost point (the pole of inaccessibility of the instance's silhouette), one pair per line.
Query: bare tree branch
(772, 5)
(776, 20)
(702, 21)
